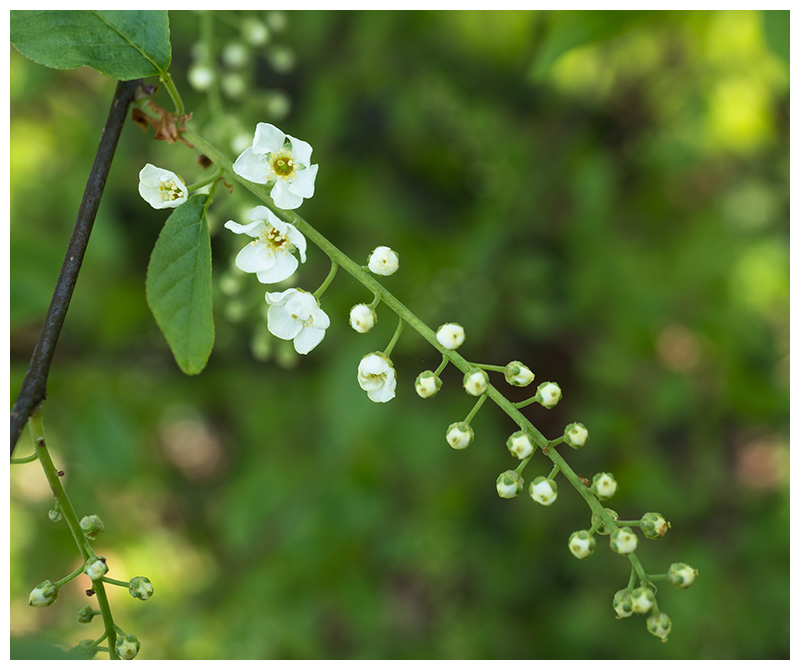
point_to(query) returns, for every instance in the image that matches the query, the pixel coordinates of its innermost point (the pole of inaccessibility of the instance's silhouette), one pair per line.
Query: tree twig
(34, 386)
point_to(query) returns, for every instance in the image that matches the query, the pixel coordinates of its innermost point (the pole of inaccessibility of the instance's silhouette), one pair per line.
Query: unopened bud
(604, 486)
(459, 435)
(92, 526)
(127, 646)
(140, 587)
(654, 525)
(548, 394)
(623, 604)
(96, 568)
(510, 484)
(362, 318)
(518, 374)
(582, 544)
(85, 614)
(660, 625)
(642, 600)
(476, 382)
(681, 575)
(601, 527)
(427, 384)
(624, 541)
(520, 445)
(543, 490)
(43, 595)
(575, 435)
(450, 335)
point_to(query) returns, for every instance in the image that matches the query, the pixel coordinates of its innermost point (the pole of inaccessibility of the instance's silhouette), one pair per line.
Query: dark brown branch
(34, 386)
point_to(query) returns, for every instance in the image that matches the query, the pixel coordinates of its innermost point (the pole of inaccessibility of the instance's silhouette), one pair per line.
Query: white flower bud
(459, 435)
(543, 490)
(200, 77)
(604, 486)
(582, 544)
(510, 484)
(575, 435)
(362, 318)
(450, 335)
(548, 394)
(383, 261)
(96, 568)
(681, 575)
(427, 384)
(127, 646)
(476, 382)
(520, 445)
(654, 525)
(642, 600)
(92, 526)
(235, 55)
(601, 527)
(140, 587)
(518, 374)
(43, 595)
(624, 541)
(622, 604)
(659, 624)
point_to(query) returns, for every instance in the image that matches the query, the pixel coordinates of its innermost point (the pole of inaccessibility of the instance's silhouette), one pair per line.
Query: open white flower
(271, 253)
(281, 159)
(295, 315)
(161, 188)
(376, 376)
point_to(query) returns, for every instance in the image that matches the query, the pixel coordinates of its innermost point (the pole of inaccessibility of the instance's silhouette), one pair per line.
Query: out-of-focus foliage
(603, 196)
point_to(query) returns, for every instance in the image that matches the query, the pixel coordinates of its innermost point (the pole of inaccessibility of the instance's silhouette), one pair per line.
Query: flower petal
(282, 324)
(252, 166)
(256, 257)
(284, 267)
(301, 151)
(251, 229)
(279, 298)
(268, 139)
(303, 184)
(283, 197)
(297, 239)
(308, 338)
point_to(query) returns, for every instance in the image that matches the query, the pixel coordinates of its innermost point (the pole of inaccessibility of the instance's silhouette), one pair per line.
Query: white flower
(582, 543)
(450, 335)
(427, 384)
(681, 575)
(476, 382)
(518, 374)
(43, 595)
(544, 491)
(140, 587)
(126, 646)
(161, 188)
(624, 541)
(509, 484)
(459, 435)
(520, 445)
(271, 253)
(362, 318)
(604, 486)
(281, 159)
(376, 376)
(642, 600)
(548, 394)
(295, 315)
(575, 435)
(383, 261)
(659, 624)
(96, 569)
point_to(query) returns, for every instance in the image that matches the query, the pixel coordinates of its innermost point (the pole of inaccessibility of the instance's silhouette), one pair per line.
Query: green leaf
(120, 44)
(178, 285)
(776, 32)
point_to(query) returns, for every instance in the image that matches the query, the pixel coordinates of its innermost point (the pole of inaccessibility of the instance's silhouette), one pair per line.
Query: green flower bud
(518, 374)
(476, 382)
(55, 514)
(459, 435)
(427, 384)
(520, 445)
(623, 605)
(624, 541)
(96, 568)
(43, 595)
(604, 486)
(681, 575)
(582, 544)
(654, 525)
(510, 484)
(642, 600)
(575, 435)
(659, 624)
(85, 614)
(127, 646)
(601, 527)
(543, 490)
(92, 526)
(140, 587)
(548, 394)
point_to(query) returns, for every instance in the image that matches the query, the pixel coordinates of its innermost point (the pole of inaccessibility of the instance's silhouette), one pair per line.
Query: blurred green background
(603, 195)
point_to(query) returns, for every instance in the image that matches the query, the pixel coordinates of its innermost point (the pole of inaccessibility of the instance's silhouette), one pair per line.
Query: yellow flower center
(282, 164)
(169, 190)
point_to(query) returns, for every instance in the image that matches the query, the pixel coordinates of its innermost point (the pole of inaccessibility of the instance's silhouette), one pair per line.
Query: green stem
(525, 403)
(633, 524)
(323, 287)
(442, 366)
(493, 368)
(115, 582)
(166, 79)
(25, 459)
(475, 409)
(658, 578)
(261, 191)
(69, 577)
(36, 427)
(522, 465)
(205, 182)
(375, 302)
(395, 337)
(553, 472)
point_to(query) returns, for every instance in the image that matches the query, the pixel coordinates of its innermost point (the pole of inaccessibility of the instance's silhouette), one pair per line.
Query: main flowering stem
(262, 192)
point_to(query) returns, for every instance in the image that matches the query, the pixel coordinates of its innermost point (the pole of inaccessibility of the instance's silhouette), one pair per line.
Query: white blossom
(450, 335)
(271, 253)
(295, 315)
(377, 377)
(282, 160)
(160, 188)
(362, 318)
(383, 261)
